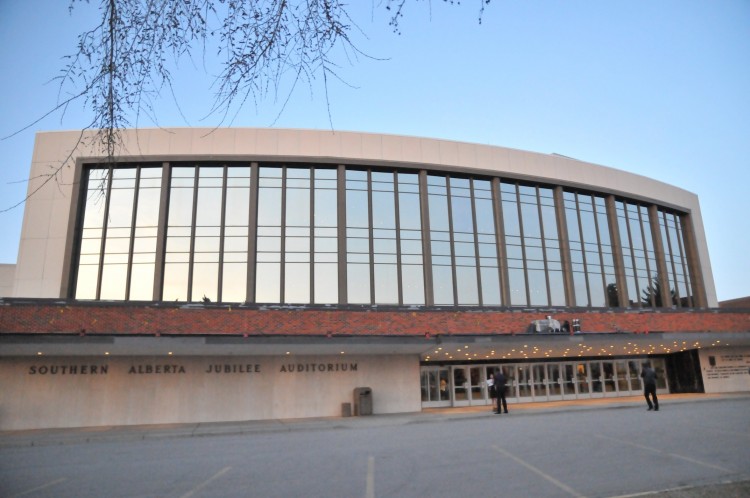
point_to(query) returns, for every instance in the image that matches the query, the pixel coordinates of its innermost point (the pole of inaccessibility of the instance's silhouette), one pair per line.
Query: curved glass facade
(297, 233)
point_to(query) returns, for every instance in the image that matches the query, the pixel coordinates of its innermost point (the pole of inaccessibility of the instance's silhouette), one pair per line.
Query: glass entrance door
(568, 381)
(621, 373)
(554, 385)
(464, 385)
(460, 386)
(523, 379)
(608, 378)
(477, 386)
(583, 380)
(597, 381)
(435, 385)
(634, 374)
(539, 381)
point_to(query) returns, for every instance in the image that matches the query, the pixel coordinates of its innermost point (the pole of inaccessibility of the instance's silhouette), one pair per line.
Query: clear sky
(660, 89)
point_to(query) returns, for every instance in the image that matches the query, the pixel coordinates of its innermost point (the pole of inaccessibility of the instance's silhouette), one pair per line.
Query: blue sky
(660, 89)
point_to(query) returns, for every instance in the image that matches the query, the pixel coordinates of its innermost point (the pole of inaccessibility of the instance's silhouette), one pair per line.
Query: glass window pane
(517, 282)
(148, 207)
(88, 276)
(385, 214)
(438, 212)
(297, 283)
(537, 288)
(325, 208)
(581, 289)
(237, 207)
(268, 283)
(412, 284)
(530, 215)
(463, 221)
(510, 219)
(557, 288)
(357, 211)
(358, 277)
(386, 284)
(180, 206)
(490, 287)
(466, 284)
(298, 207)
(597, 292)
(409, 212)
(326, 283)
(205, 281)
(269, 207)
(208, 211)
(142, 282)
(121, 208)
(485, 216)
(442, 279)
(175, 282)
(234, 282)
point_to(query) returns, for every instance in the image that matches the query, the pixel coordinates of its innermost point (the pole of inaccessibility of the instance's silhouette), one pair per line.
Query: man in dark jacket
(649, 387)
(500, 382)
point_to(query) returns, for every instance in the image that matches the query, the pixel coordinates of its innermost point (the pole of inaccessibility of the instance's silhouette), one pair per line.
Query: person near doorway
(649, 387)
(492, 392)
(500, 382)
(443, 390)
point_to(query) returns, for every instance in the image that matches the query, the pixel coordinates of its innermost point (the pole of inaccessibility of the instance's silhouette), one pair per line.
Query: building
(238, 274)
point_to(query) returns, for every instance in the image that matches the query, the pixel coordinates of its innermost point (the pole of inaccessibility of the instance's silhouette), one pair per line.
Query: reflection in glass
(591, 251)
(206, 239)
(268, 282)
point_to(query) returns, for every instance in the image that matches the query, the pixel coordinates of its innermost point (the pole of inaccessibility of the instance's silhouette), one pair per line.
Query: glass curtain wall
(409, 239)
(297, 236)
(463, 242)
(591, 257)
(383, 238)
(532, 245)
(118, 234)
(639, 255)
(235, 236)
(207, 234)
(204, 247)
(678, 276)
(325, 233)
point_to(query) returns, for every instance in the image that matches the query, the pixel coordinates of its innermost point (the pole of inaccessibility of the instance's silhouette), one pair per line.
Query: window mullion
(191, 256)
(131, 242)
(105, 224)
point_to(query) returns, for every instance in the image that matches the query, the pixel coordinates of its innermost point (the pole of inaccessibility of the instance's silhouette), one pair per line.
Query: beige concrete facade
(47, 217)
(7, 276)
(88, 391)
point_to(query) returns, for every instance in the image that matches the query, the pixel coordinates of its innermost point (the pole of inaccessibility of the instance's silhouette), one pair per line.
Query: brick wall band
(70, 318)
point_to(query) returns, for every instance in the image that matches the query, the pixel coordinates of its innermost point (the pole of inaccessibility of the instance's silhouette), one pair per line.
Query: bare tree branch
(266, 48)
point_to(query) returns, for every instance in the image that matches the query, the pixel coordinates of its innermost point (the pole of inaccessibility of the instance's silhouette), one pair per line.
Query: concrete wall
(725, 369)
(7, 275)
(47, 215)
(99, 391)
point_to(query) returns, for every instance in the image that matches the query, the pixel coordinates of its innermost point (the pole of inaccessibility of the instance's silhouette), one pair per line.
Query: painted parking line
(39, 488)
(538, 472)
(661, 452)
(370, 479)
(206, 482)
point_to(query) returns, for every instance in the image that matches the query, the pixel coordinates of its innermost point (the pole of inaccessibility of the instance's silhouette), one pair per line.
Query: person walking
(649, 387)
(500, 382)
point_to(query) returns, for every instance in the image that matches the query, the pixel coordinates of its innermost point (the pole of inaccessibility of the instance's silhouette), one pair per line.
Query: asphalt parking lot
(696, 446)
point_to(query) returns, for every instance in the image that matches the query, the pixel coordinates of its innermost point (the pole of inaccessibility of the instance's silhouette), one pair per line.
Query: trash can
(346, 409)
(362, 401)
